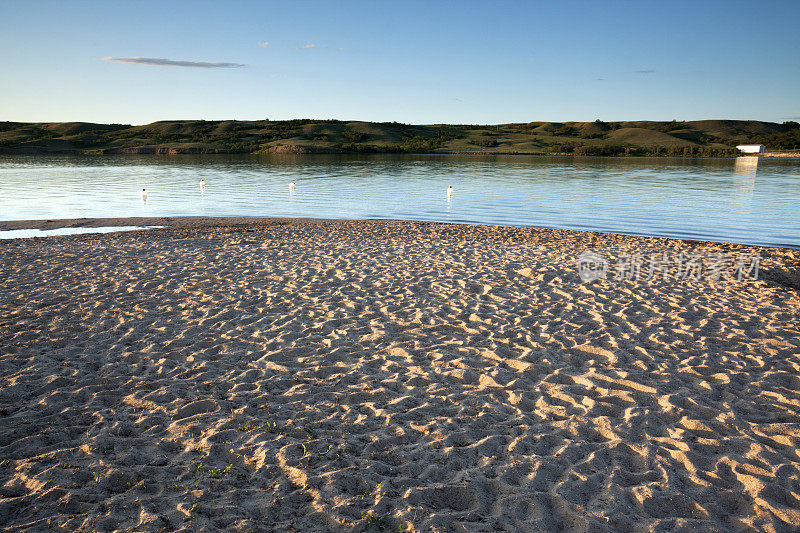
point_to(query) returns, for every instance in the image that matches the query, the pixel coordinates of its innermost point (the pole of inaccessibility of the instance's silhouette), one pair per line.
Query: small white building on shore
(752, 148)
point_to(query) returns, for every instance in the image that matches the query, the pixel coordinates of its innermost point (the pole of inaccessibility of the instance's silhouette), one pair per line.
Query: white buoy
(449, 192)
(202, 185)
(144, 195)
(291, 185)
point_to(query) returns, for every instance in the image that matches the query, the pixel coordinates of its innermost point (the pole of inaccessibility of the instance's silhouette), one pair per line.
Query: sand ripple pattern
(356, 376)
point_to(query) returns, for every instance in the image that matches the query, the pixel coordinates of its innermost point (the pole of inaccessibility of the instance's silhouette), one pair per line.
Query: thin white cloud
(162, 62)
(263, 44)
(309, 46)
(646, 71)
(600, 79)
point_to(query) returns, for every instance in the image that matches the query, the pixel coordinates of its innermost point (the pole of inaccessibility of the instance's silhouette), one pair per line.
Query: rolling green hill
(306, 136)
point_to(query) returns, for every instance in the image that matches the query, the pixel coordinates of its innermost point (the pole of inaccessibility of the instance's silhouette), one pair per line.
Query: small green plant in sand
(97, 476)
(136, 483)
(48, 458)
(217, 473)
(248, 426)
(372, 519)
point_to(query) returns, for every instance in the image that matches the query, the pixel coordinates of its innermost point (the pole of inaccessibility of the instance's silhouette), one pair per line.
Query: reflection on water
(713, 199)
(744, 182)
(28, 233)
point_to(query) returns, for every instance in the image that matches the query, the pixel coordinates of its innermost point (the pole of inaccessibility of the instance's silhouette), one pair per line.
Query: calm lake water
(743, 200)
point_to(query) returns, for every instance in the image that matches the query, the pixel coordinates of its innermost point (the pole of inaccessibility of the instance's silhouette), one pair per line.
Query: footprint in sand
(196, 408)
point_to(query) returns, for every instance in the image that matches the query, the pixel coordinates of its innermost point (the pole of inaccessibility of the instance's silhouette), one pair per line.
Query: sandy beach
(302, 375)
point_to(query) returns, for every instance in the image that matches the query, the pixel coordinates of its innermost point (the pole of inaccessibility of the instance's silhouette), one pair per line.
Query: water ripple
(709, 199)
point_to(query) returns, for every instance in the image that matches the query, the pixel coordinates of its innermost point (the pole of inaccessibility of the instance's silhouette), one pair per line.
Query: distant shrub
(631, 150)
(566, 131)
(8, 126)
(788, 140)
(563, 148)
(354, 136)
(418, 143)
(447, 134)
(671, 126)
(368, 148)
(86, 141)
(41, 133)
(243, 148)
(485, 143)
(682, 151)
(598, 150)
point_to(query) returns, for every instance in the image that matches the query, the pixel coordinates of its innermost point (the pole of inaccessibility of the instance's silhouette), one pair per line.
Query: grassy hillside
(699, 138)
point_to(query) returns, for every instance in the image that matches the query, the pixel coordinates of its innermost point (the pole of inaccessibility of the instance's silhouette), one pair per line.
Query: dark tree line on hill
(713, 138)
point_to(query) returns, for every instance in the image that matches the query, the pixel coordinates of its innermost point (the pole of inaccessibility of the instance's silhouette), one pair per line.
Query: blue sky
(413, 62)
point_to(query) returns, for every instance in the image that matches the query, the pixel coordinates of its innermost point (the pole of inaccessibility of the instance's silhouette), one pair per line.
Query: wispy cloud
(647, 71)
(309, 46)
(162, 62)
(600, 79)
(263, 44)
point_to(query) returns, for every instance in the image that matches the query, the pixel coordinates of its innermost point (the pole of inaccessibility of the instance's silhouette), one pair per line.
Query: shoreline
(168, 153)
(333, 375)
(174, 222)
